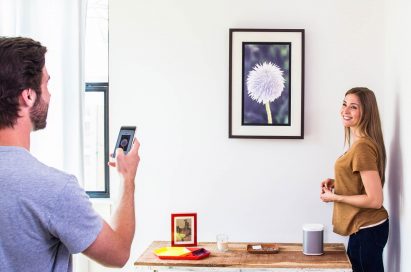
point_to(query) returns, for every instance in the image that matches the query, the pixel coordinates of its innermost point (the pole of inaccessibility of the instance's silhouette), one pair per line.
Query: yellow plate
(172, 251)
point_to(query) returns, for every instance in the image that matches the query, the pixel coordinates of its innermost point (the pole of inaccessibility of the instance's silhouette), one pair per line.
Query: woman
(359, 178)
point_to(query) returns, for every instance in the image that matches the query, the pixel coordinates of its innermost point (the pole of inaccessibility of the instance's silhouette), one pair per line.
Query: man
(45, 216)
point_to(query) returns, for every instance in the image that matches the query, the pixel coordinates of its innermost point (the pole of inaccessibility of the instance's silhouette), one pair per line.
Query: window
(96, 149)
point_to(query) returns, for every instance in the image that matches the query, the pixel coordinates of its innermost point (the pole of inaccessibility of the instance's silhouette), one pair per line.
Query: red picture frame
(184, 229)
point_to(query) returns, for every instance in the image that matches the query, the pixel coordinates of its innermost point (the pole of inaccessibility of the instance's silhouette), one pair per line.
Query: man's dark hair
(21, 66)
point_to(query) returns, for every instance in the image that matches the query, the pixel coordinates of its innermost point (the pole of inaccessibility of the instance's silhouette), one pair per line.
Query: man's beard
(38, 114)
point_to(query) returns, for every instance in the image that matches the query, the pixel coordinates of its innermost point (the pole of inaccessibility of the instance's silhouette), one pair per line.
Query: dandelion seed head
(265, 82)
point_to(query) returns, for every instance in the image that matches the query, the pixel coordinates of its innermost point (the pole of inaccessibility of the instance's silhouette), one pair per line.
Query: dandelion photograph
(266, 84)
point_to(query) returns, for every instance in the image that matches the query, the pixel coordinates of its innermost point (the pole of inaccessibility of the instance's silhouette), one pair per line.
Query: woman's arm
(373, 197)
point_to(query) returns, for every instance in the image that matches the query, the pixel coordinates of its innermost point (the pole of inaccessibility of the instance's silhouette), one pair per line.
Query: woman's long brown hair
(370, 124)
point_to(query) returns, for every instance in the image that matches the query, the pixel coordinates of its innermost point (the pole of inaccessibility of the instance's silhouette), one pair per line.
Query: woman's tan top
(362, 156)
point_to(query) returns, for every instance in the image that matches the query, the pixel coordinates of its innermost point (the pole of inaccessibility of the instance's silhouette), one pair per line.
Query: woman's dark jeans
(365, 248)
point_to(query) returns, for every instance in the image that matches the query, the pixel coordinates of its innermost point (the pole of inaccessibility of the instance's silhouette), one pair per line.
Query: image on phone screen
(125, 139)
(124, 142)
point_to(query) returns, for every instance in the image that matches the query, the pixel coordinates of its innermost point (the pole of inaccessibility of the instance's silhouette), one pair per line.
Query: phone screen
(199, 252)
(125, 139)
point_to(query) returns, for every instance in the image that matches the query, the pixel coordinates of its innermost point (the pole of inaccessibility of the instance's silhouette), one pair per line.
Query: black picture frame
(266, 83)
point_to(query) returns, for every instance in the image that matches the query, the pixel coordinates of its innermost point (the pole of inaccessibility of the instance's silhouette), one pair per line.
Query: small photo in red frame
(183, 229)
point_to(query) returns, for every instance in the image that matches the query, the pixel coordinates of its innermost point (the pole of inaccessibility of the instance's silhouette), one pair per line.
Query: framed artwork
(183, 229)
(266, 84)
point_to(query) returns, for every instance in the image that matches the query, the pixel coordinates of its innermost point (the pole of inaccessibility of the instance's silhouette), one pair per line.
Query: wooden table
(290, 258)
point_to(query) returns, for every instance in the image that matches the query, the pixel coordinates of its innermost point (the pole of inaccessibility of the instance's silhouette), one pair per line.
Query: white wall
(169, 76)
(398, 131)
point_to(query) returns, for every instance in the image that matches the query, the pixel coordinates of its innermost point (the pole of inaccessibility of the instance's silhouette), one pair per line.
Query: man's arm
(112, 245)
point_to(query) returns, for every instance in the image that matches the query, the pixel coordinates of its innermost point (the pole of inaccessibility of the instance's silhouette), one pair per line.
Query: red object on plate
(196, 253)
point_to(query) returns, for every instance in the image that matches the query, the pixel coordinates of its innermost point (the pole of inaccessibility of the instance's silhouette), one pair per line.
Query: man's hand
(127, 164)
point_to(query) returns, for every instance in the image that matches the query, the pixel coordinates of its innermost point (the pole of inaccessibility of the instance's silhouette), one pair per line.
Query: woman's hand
(327, 183)
(327, 195)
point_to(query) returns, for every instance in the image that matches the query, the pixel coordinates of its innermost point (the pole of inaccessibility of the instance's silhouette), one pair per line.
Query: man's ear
(29, 97)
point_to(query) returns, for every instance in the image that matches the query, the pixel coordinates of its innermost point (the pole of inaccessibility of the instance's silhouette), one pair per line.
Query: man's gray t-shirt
(45, 216)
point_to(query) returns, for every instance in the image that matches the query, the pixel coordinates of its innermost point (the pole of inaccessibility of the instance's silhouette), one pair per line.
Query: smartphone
(199, 252)
(125, 139)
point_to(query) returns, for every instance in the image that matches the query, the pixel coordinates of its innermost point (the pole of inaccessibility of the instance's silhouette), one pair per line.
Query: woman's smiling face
(351, 111)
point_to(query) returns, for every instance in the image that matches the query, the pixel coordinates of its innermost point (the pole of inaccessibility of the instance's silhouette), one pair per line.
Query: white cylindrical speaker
(313, 239)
